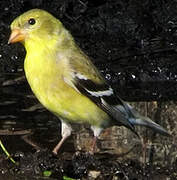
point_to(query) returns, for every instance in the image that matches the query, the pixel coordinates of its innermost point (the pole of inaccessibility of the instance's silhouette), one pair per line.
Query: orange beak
(17, 35)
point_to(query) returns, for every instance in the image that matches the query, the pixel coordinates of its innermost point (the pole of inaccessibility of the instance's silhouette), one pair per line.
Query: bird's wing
(90, 83)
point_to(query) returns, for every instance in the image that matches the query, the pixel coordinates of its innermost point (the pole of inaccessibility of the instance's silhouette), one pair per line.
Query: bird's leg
(93, 144)
(96, 131)
(65, 133)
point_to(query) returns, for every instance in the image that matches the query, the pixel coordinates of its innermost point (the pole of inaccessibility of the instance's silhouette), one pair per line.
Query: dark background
(132, 42)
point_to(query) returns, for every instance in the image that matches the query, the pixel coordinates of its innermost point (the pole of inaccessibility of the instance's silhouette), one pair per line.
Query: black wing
(103, 95)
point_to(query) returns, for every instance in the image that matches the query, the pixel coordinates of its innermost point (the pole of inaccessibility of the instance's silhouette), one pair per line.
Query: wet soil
(81, 166)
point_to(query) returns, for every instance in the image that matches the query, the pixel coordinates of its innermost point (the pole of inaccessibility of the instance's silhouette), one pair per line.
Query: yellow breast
(47, 76)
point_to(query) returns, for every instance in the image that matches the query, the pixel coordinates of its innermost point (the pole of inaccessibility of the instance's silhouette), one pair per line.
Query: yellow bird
(66, 82)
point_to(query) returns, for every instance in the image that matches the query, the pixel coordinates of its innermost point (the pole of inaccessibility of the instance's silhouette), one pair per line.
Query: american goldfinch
(66, 82)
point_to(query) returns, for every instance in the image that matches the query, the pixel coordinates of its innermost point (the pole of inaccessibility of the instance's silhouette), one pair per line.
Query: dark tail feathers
(136, 119)
(145, 121)
(140, 120)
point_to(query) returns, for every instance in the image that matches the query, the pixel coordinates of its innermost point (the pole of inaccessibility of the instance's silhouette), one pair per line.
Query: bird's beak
(17, 35)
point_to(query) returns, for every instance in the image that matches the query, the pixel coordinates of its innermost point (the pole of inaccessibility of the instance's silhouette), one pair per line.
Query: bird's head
(33, 25)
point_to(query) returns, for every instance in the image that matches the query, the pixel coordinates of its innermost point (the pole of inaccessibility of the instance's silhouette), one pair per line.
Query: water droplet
(154, 93)
(171, 44)
(133, 76)
(169, 30)
(12, 70)
(108, 76)
(14, 57)
(160, 70)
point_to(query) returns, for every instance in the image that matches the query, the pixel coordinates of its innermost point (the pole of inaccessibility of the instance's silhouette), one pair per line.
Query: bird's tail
(138, 120)
(145, 121)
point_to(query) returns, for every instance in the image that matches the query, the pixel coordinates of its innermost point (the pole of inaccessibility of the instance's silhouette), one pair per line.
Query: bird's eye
(31, 21)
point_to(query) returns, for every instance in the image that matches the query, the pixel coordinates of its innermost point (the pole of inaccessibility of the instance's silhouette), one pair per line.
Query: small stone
(94, 174)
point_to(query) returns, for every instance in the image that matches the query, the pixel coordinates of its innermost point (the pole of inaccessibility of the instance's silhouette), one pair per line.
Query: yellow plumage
(64, 79)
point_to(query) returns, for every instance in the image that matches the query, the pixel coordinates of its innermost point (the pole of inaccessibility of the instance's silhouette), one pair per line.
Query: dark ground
(133, 43)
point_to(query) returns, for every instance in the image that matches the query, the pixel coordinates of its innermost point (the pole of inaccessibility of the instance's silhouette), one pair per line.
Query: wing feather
(89, 82)
(103, 95)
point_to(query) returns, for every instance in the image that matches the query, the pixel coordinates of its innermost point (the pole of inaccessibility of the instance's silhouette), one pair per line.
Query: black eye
(31, 21)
